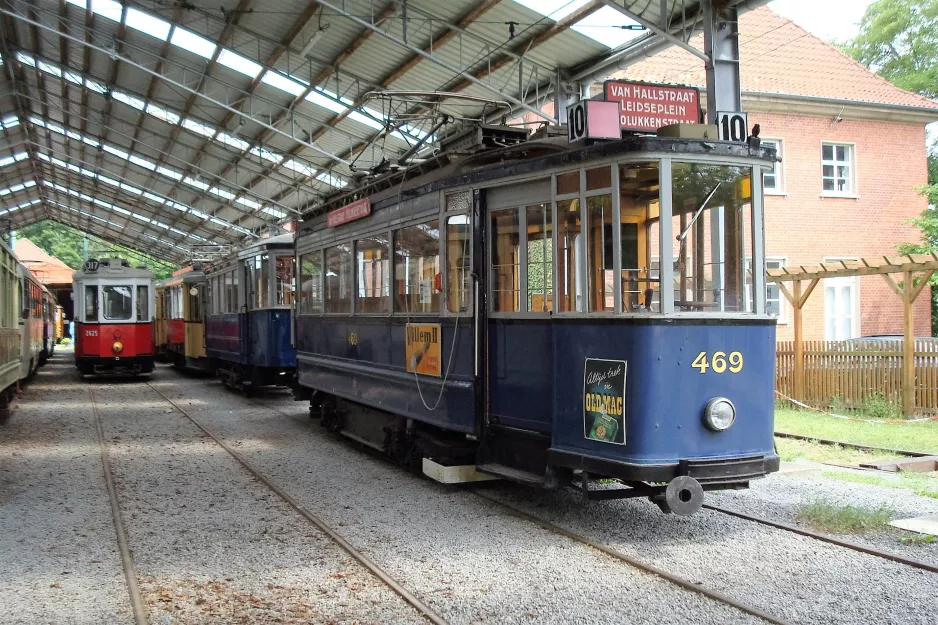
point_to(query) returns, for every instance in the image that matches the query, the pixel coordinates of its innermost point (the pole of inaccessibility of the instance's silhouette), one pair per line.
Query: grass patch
(910, 436)
(919, 539)
(827, 517)
(919, 483)
(792, 449)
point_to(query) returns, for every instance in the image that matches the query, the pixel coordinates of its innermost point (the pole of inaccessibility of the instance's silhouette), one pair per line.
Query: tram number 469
(720, 362)
(731, 126)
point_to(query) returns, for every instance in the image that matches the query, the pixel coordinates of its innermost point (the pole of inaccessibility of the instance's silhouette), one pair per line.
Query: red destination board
(349, 212)
(646, 107)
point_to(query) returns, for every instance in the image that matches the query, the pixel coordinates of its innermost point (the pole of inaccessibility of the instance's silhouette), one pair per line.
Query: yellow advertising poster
(423, 348)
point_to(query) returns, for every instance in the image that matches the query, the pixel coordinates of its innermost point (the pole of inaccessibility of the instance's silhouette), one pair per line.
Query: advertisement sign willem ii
(646, 107)
(604, 400)
(423, 348)
(349, 212)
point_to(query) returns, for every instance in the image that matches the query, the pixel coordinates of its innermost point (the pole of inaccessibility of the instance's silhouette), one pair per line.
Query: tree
(898, 39)
(68, 245)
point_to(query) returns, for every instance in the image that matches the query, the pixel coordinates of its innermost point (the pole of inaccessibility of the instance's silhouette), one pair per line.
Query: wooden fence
(850, 372)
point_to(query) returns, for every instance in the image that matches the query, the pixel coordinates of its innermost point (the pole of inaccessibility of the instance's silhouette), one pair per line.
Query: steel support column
(721, 46)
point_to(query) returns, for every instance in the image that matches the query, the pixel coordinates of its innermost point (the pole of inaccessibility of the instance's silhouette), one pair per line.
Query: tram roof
(167, 126)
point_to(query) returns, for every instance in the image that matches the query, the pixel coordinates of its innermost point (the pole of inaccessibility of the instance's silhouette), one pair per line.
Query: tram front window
(118, 302)
(712, 213)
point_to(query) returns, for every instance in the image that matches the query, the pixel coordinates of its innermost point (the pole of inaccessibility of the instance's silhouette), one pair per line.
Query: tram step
(511, 473)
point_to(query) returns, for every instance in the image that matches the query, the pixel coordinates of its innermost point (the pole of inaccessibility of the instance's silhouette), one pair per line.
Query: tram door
(519, 276)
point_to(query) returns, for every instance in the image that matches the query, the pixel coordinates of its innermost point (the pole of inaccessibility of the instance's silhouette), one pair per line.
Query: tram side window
(639, 209)
(284, 276)
(600, 256)
(569, 255)
(143, 302)
(506, 260)
(540, 269)
(117, 302)
(712, 207)
(339, 279)
(195, 303)
(458, 263)
(310, 283)
(229, 277)
(373, 273)
(417, 268)
(91, 302)
(262, 281)
(235, 286)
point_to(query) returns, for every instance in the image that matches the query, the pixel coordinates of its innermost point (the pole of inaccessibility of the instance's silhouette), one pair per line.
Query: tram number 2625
(719, 362)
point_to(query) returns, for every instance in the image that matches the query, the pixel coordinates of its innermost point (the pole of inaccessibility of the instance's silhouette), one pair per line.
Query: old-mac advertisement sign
(646, 107)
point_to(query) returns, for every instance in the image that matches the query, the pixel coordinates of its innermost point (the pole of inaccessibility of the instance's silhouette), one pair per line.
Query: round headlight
(719, 414)
(118, 347)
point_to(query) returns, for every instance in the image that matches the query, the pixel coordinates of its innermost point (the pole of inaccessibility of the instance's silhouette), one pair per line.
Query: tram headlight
(118, 347)
(719, 414)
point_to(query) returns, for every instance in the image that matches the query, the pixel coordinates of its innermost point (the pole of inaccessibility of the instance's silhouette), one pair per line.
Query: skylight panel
(90, 141)
(107, 8)
(110, 181)
(196, 44)
(95, 86)
(131, 189)
(331, 180)
(72, 77)
(9, 160)
(366, 120)
(148, 24)
(26, 59)
(554, 9)
(278, 80)
(110, 149)
(10, 122)
(222, 193)
(129, 100)
(118, 209)
(248, 202)
(232, 141)
(300, 168)
(603, 26)
(162, 114)
(273, 212)
(198, 184)
(153, 198)
(142, 162)
(239, 63)
(172, 173)
(198, 127)
(266, 154)
(73, 135)
(319, 99)
(49, 69)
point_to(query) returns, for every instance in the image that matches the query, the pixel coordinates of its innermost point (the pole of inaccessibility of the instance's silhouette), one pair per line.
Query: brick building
(853, 150)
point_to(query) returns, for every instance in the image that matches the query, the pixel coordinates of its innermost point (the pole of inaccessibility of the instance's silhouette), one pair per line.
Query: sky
(831, 20)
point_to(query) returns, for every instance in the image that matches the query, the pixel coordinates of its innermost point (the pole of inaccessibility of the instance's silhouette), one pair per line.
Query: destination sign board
(349, 212)
(646, 107)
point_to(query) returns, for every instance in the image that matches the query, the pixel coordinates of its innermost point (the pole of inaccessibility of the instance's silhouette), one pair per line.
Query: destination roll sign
(646, 107)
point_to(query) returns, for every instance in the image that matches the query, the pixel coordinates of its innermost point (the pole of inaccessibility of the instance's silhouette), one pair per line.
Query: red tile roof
(47, 269)
(777, 56)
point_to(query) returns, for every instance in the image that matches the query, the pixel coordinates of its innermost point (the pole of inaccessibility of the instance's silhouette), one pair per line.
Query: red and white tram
(114, 306)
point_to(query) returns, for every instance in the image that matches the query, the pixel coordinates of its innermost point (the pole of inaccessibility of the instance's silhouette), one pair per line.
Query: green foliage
(918, 539)
(922, 436)
(898, 40)
(68, 244)
(828, 517)
(877, 406)
(918, 483)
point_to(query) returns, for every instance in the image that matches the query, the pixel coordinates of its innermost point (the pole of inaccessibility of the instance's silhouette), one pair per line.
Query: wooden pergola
(915, 271)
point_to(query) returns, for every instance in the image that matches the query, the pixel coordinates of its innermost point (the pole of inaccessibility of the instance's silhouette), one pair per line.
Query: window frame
(471, 304)
(854, 283)
(440, 244)
(778, 169)
(853, 193)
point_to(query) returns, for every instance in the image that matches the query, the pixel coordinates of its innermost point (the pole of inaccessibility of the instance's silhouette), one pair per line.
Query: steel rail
(610, 551)
(825, 538)
(648, 568)
(136, 599)
(827, 441)
(392, 583)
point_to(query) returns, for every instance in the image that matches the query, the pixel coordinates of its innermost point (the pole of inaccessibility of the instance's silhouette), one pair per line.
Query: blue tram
(248, 319)
(552, 315)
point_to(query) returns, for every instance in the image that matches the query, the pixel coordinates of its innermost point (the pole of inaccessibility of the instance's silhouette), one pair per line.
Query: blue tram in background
(248, 319)
(550, 314)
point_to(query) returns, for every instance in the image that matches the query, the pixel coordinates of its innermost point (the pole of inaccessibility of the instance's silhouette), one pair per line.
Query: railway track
(826, 441)
(364, 560)
(130, 574)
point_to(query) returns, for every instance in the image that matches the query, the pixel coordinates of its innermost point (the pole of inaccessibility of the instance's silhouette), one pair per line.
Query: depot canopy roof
(167, 125)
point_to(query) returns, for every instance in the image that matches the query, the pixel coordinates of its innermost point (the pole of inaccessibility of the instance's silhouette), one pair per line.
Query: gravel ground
(797, 578)
(464, 556)
(213, 545)
(59, 562)
(779, 498)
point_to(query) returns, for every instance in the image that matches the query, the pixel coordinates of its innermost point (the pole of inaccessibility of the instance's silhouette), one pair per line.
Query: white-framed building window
(773, 180)
(774, 301)
(841, 306)
(838, 169)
